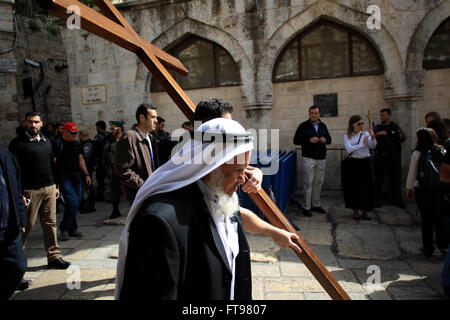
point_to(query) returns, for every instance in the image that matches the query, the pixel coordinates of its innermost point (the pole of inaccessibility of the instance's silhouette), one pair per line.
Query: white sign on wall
(94, 94)
(8, 65)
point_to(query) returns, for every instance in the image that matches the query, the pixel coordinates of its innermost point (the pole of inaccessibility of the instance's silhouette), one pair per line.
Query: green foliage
(53, 28)
(34, 25)
(40, 15)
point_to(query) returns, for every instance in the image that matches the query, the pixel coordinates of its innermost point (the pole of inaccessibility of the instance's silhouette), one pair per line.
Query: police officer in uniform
(87, 203)
(109, 157)
(387, 158)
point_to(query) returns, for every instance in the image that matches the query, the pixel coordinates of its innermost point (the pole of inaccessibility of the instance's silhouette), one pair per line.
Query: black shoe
(64, 236)
(24, 284)
(76, 234)
(58, 263)
(85, 211)
(427, 253)
(114, 215)
(318, 209)
(307, 213)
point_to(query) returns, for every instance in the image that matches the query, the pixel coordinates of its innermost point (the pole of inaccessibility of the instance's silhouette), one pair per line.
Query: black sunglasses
(359, 124)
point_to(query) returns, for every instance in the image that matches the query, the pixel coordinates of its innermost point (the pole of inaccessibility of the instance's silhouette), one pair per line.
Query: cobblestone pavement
(356, 253)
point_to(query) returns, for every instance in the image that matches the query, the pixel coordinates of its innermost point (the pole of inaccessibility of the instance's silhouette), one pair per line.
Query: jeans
(71, 191)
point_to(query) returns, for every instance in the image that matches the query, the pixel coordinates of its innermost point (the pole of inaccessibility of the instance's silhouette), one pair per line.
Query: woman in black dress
(358, 179)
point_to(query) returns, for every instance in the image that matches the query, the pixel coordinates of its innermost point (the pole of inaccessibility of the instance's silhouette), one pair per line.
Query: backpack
(428, 170)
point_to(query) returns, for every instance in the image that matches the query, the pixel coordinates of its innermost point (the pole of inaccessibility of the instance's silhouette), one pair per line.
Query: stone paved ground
(352, 251)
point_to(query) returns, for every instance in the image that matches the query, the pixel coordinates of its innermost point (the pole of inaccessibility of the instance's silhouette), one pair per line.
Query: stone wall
(9, 113)
(174, 117)
(50, 83)
(356, 95)
(436, 94)
(254, 33)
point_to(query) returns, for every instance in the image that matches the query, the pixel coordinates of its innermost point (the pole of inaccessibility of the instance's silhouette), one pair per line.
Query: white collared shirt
(147, 136)
(360, 150)
(38, 139)
(227, 230)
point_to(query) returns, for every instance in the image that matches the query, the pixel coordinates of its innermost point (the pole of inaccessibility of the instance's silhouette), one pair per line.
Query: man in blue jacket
(13, 262)
(313, 136)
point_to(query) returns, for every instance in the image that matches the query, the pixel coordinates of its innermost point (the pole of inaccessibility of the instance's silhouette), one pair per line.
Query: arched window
(326, 50)
(209, 65)
(437, 52)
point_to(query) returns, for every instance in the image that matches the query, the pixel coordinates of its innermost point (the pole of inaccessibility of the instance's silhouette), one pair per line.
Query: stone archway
(394, 86)
(423, 33)
(415, 75)
(179, 31)
(382, 40)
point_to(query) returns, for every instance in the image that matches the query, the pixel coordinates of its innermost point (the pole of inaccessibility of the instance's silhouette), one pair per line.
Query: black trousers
(100, 175)
(357, 184)
(87, 203)
(13, 265)
(115, 192)
(432, 219)
(389, 163)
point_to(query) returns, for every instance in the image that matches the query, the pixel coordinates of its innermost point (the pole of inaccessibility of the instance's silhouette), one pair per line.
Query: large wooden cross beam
(113, 27)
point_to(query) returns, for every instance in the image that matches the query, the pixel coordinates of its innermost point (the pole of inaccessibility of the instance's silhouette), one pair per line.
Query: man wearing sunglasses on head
(70, 167)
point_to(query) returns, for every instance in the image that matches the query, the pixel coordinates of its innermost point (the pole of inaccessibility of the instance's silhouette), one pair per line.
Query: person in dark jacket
(13, 262)
(87, 203)
(163, 140)
(137, 153)
(35, 156)
(70, 166)
(100, 170)
(313, 136)
(109, 156)
(387, 159)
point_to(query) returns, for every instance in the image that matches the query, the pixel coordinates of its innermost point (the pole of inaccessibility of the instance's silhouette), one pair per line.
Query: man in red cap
(70, 166)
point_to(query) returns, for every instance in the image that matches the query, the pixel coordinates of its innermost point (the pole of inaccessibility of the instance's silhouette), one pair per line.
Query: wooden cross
(113, 27)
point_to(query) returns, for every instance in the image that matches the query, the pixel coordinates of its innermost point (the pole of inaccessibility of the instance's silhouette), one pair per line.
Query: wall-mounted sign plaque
(327, 103)
(94, 94)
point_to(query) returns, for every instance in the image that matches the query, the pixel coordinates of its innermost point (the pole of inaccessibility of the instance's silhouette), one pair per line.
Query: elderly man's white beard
(228, 204)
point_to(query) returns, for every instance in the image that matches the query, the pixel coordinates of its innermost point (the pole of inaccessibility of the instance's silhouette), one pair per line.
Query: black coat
(306, 131)
(9, 168)
(175, 252)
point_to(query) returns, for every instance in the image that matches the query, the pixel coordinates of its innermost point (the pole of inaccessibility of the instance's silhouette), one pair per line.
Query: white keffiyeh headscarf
(214, 143)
